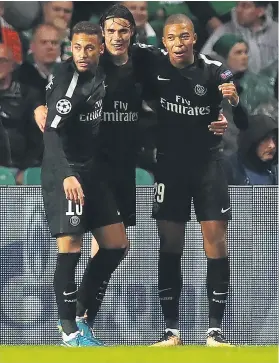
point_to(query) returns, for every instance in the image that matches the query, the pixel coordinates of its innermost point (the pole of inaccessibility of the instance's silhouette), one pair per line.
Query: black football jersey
(122, 105)
(74, 102)
(187, 100)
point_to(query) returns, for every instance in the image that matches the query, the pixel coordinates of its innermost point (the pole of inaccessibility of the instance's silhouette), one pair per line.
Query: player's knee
(214, 232)
(126, 250)
(122, 244)
(171, 236)
(215, 247)
(118, 242)
(94, 247)
(171, 245)
(69, 244)
(218, 242)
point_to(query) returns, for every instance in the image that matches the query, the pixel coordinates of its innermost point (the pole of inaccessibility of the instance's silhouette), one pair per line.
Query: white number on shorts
(159, 192)
(70, 211)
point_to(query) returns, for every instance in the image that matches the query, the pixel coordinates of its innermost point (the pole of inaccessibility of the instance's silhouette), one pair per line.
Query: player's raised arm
(227, 89)
(224, 81)
(230, 93)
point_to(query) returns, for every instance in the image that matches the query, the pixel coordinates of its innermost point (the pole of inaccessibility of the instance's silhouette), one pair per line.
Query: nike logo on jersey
(162, 79)
(225, 210)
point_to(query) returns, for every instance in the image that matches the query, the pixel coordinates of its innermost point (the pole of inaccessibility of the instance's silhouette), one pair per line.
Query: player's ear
(260, 12)
(132, 31)
(72, 47)
(32, 47)
(102, 48)
(164, 42)
(195, 38)
(103, 31)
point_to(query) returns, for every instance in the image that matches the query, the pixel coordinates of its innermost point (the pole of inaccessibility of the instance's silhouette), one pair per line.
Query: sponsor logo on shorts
(75, 221)
(225, 210)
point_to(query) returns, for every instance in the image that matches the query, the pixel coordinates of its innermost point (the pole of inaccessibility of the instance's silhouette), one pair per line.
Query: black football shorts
(178, 183)
(65, 217)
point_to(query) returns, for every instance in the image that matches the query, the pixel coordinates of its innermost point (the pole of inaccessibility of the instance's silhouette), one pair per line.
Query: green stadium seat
(143, 177)
(171, 7)
(6, 177)
(223, 7)
(32, 176)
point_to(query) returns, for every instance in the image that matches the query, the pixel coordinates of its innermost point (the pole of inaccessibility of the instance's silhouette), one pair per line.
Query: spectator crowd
(35, 36)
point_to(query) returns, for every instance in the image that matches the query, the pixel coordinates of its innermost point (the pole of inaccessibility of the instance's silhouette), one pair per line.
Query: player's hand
(229, 91)
(219, 127)
(73, 190)
(40, 115)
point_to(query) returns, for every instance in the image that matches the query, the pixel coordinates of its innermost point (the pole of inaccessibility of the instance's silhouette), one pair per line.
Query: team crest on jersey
(63, 106)
(200, 90)
(75, 221)
(227, 74)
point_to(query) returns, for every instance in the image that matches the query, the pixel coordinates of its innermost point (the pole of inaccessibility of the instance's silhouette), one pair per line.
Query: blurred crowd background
(35, 36)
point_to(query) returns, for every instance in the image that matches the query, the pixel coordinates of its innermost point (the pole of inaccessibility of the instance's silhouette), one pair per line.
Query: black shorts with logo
(203, 180)
(65, 217)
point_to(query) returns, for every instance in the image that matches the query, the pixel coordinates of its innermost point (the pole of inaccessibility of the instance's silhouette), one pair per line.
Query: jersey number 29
(159, 192)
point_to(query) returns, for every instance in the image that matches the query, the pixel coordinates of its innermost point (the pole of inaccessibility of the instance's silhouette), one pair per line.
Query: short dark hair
(86, 27)
(178, 19)
(117, 11)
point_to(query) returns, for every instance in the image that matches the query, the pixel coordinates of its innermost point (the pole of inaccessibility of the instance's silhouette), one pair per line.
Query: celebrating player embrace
(188, 89)
(113, 150)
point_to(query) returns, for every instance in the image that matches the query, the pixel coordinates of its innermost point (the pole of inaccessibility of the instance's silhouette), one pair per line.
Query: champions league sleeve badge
(63, 106)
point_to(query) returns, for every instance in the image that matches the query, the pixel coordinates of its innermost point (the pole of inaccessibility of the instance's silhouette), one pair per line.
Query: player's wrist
(234, 102)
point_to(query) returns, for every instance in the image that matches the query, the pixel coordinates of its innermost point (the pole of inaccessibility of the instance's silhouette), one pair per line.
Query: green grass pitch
(187, 354)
